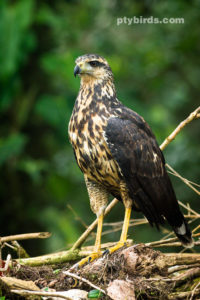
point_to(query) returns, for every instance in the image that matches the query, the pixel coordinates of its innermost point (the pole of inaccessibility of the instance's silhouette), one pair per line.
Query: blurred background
(156, 69)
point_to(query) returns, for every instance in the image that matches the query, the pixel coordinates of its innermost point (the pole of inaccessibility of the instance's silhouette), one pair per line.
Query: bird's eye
(93, 63)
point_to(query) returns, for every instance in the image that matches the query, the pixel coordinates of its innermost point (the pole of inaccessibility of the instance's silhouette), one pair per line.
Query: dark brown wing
(142, 164)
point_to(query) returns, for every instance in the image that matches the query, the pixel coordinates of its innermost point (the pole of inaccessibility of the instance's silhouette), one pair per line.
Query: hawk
(119, 155)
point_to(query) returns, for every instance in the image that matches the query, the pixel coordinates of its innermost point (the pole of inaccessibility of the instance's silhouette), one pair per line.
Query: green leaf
(56, 271)
(94, 294)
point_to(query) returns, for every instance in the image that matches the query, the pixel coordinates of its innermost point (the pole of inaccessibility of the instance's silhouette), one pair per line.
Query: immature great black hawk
(119, 155)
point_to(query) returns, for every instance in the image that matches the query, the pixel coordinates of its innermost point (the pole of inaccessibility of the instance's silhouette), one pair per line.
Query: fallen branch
(83, 280)
(25, 236)
(182, 295)
(44, 294)
(148, 271)
(62, 257)
(166, 242)
(5, 268)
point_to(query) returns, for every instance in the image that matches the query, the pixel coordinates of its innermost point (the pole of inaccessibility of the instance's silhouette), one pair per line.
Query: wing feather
(142, 164)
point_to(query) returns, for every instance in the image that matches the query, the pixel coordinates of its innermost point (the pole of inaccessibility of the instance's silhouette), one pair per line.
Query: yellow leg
(97, 247)
(124, 232)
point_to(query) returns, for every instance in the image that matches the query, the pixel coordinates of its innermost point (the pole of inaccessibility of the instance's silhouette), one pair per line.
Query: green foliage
(95, 294)
(156, 70)
(11, 146)
(1, 295)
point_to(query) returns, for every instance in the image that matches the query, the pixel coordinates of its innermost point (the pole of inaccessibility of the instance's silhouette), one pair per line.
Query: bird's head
(92, 67)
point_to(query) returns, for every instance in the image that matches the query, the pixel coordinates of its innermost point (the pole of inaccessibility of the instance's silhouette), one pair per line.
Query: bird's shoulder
(133, 144)
(123, 117)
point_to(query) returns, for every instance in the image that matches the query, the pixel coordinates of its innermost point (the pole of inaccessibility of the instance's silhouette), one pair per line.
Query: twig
(166, 241)
(175, 244)
(173, 259)
(173, 172)
(187, 182)
(21, 252)
(61, 257)
(162, 243)
(195, 229)
(5, 268)
(45, 294)
(193, 291)
(84, 280)
(77, 216)
(171, 137)
(25, 236)
(182, 267)
(189, 209)
(84, 236)
(189, 274)
(53, 258)
(182, 295)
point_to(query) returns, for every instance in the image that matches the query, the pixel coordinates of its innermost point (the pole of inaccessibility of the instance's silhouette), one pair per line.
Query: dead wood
(145, 272)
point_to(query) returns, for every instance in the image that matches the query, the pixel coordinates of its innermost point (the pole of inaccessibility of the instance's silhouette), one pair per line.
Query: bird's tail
(184, 234)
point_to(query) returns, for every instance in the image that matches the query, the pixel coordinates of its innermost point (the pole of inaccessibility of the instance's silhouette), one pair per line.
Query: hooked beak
(77, 70)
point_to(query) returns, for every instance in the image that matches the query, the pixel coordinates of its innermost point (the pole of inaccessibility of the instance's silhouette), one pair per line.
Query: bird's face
(92, 67)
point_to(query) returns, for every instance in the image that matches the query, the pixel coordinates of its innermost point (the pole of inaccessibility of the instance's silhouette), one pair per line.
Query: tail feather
(184, 234)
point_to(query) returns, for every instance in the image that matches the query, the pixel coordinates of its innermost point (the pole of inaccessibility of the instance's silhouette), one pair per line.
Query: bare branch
(84, 236)
(186, 181)
(5, 268)
(44, 294)
(84, 280)
(171, 137)
(25, 236)
(63, 256)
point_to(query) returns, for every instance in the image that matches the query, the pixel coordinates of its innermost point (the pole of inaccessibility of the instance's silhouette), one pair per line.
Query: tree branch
(194, 115)
(25, 236)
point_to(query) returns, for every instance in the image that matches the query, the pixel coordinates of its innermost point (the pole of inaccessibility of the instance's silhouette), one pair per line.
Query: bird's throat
(96, 91)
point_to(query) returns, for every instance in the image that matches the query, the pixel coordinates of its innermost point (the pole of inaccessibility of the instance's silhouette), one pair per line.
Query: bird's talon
(75, 283)
(74, 267)
(105, 252)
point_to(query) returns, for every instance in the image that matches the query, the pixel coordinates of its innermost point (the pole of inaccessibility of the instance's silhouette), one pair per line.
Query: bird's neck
(93, 92)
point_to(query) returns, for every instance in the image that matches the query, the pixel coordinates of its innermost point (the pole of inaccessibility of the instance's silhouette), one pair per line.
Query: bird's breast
(86, 133)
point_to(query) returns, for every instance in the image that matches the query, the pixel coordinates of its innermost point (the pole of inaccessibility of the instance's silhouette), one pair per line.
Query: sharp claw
(105, 252)
(75, 283)
(75, 267)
